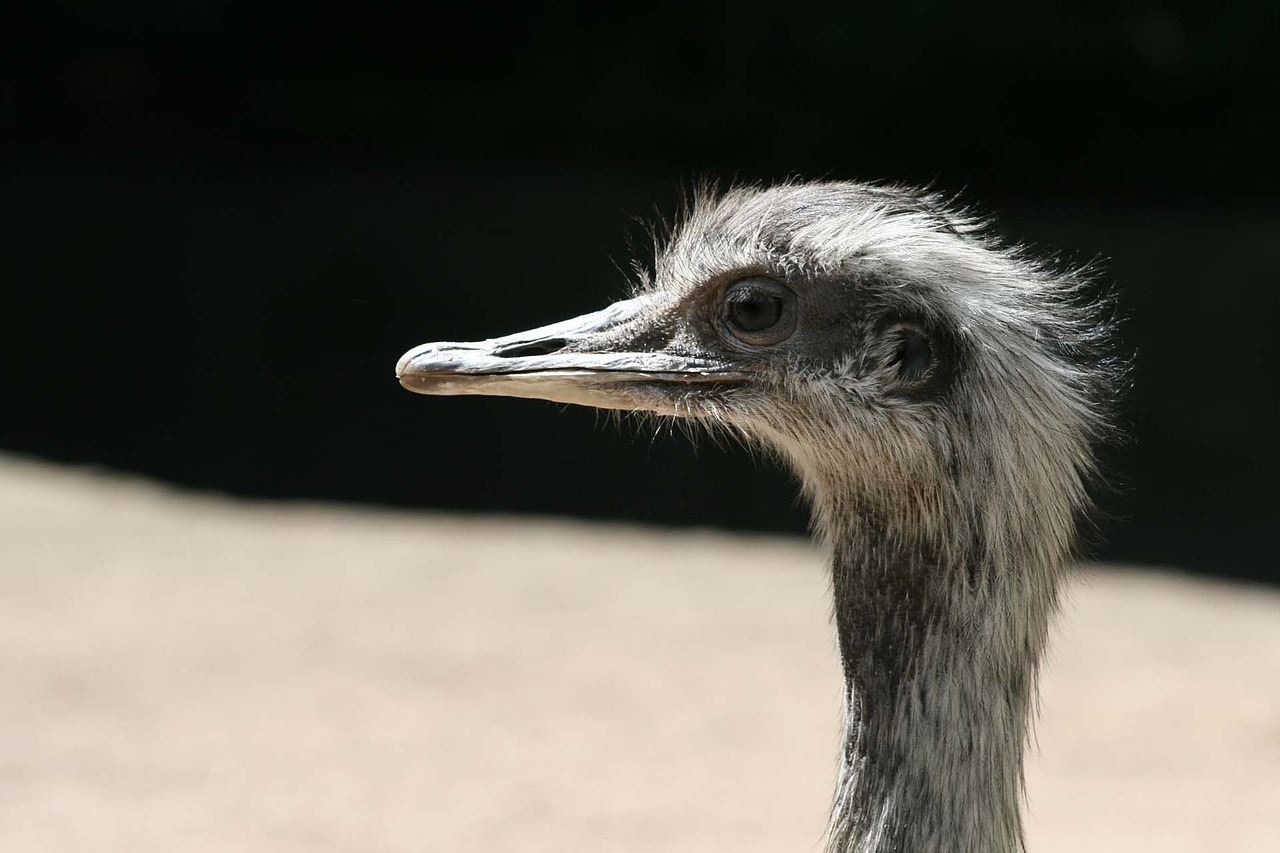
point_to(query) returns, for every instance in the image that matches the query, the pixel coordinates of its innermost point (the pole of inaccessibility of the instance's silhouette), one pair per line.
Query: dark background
(224, 221)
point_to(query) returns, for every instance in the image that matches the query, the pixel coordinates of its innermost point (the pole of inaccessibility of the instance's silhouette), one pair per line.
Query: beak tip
(404, 365)
(426, 369)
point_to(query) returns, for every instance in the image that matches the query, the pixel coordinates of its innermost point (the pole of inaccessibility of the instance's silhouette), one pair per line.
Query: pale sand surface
(189, 673)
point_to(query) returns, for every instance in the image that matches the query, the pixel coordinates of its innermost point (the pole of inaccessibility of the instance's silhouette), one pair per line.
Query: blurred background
(224, 221)
(255, 596)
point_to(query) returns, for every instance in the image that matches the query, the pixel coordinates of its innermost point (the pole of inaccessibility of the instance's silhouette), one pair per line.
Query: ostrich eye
(759, 311)
(912, 355)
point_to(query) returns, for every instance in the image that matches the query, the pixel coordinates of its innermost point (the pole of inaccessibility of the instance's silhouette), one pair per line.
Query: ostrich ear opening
(912, 352)
(591, 360)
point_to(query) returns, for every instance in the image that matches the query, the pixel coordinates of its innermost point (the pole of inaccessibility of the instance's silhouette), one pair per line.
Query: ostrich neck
(939, 649)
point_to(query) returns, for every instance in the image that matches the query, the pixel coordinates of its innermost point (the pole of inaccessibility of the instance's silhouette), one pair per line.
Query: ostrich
(938, 394)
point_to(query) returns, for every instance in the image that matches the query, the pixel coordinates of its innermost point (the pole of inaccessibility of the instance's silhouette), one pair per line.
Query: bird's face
(739, 348)
(766, 314)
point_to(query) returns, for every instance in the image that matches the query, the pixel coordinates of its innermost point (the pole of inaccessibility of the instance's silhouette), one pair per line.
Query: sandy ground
(189, 673)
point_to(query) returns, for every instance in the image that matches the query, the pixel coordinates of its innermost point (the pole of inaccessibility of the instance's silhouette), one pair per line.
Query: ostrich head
(937, 394)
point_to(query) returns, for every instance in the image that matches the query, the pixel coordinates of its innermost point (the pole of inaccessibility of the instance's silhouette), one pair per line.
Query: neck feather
(940, 644)
(949, 531)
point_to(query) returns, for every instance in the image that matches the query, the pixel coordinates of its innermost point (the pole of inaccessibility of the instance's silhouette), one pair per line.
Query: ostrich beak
(597, 359)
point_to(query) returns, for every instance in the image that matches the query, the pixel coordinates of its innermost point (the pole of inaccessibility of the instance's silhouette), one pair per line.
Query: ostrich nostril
(544, 347)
